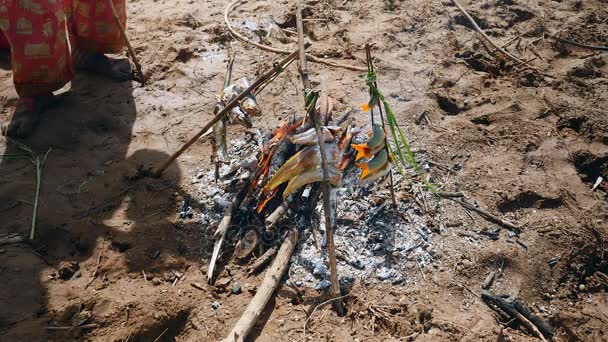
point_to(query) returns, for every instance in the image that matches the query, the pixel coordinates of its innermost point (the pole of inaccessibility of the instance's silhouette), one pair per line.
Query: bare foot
(116, 69)
(27, 115)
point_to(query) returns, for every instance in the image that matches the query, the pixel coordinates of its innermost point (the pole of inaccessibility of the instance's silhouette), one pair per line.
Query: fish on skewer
(374, 144)
(312, 176)
(379, 173)
(371, 167)
(248, 106)
(309, 137)
(306, 160)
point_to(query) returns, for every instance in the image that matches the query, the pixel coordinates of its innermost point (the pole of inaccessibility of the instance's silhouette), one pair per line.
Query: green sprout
(29, 154)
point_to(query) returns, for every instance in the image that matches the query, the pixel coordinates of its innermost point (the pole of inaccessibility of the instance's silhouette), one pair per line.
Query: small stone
(319, 270)
(581, 287)
(298, 283)
(156, 281)
(215, 305)
(155, 254)
(236, 289)
(552, 262)
(322, 285)
(223, 282)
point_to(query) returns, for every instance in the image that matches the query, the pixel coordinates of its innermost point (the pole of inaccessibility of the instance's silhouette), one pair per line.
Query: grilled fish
(368, 169)
(307, 159)
(373, 145)
(381, 172)
(311, 176)
(248, 106)
(310, 137)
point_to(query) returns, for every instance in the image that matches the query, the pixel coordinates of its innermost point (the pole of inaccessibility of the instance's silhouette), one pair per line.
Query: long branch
(267, 76)
(335, 285)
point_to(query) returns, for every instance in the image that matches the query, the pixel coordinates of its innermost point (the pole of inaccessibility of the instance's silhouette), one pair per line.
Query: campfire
(271, 185)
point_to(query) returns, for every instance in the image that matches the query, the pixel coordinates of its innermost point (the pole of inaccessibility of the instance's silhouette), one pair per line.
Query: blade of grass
(39, 165)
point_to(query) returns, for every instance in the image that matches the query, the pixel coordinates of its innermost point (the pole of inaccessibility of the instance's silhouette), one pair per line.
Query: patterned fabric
(36, 31)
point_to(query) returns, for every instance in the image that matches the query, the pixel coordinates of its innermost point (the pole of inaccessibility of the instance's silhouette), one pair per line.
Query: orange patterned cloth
(36, 32)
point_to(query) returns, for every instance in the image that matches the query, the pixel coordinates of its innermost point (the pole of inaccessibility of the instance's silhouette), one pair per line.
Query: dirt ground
(526, 144)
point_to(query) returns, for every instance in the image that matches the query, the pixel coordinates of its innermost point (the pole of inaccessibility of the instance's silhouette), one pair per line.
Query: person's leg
(3, 41)
(96, 33)
(40, 57)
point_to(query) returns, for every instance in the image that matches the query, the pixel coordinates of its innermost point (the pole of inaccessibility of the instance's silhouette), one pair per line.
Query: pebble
(552, 262)
(215, 305)
(236, 289)
(319, 270)
(581, 287)
(323, 285)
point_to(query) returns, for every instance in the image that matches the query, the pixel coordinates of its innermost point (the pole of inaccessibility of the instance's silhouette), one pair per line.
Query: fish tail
(362, 151)
(365, 171)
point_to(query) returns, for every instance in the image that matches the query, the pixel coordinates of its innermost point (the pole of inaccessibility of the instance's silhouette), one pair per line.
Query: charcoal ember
(188, 213)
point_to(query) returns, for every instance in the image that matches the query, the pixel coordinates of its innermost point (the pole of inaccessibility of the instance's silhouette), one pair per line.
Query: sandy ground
(526, 146)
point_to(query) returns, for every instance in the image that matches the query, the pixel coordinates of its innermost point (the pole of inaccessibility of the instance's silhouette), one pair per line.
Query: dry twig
(98, 264)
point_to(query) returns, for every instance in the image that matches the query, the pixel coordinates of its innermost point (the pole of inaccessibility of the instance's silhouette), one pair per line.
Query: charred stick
(542, 326)
(497, 302)
(277, 214)
(222, 228)
(487, 215)
(269, 284)
(126, 41)
(335, 286)
(276, 68)
(263, 260)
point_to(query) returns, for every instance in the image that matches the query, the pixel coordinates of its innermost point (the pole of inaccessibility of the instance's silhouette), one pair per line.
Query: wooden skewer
(325, 185)
(125, 40)
(277, 67)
